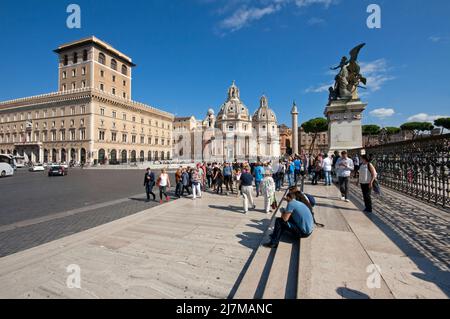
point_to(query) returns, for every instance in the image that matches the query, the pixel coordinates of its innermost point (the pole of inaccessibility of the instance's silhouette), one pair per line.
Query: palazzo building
(91, 118)
(233, 135)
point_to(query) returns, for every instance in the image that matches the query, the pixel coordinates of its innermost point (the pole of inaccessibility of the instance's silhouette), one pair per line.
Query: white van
(6, 170)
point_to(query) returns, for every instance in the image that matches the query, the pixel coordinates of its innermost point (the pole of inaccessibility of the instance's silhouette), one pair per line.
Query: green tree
(443, 122)
(393, 130)
(417, 127)
(369, 130)
(315, 127)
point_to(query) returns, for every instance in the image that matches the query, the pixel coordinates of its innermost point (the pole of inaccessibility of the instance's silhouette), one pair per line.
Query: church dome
(233, 108)
(264, 113)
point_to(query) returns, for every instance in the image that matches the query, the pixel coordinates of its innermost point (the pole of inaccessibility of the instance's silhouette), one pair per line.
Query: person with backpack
(149, 183)
(296, 219)
(367, 177)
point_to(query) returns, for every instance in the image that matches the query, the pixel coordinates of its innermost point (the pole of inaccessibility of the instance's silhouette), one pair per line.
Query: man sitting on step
(297, 219)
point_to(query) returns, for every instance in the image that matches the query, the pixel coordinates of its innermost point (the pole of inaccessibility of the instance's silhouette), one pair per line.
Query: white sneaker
(347, 201)
(342, 198)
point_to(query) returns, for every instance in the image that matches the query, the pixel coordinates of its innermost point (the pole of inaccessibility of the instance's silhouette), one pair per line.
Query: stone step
(282, 281)
(255, 277)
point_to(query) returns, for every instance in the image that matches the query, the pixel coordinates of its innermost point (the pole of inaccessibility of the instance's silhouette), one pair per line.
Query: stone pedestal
(345, 128)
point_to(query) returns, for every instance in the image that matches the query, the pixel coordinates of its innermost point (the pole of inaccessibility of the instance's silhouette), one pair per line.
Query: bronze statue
(349, 77)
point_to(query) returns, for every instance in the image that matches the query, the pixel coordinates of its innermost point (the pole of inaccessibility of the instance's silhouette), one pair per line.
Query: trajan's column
(294, 114)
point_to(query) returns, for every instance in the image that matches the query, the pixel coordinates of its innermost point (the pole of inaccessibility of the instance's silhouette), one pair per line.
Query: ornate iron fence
(418, 168)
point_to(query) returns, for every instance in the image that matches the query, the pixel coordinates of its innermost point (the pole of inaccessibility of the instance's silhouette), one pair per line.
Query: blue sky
(188, 52)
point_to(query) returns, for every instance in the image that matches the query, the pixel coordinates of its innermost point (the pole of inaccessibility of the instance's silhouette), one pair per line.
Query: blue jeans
(327, 178)
(291, 179)
(257, 185)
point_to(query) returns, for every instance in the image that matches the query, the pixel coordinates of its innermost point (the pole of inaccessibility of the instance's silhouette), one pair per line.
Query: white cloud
(316, 21)
(439, 39)
(376, 73)
(306, 3)
(423, 117)
(319, 89)
(244, 16)
(245, 12)
(383, 113)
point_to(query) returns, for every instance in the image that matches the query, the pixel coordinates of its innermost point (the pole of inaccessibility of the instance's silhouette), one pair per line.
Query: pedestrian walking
(164, 185)
(259, 176)
(149, 183)
(247, 189)
(196, 184)
(268, 191)
(178, 182)
(228, 177)
(218, 181)
(185, 181)
(367, 178)
(327, 167)
(344, 167)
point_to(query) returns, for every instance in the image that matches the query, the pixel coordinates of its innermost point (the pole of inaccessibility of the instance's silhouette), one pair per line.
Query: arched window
(124, 70)
(149, 157)
(85, 55)
(75, 57)
(168, 155)
(142, 156)
(66, 60)
(114, 65)
(101, 58)
(133, 156)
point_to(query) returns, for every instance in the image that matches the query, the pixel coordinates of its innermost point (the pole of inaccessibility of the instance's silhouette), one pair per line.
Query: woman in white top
(327, 165)
(164, 184)
(367, 176)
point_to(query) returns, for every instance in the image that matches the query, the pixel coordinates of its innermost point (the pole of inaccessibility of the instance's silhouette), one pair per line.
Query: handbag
(274, 203)
(376, 187)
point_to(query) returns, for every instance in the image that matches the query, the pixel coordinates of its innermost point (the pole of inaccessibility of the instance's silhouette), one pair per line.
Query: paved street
(36, 209)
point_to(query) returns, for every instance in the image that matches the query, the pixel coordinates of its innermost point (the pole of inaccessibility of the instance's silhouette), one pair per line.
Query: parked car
(64, 164)
(57, 171)
(6, 170)
(37, 168)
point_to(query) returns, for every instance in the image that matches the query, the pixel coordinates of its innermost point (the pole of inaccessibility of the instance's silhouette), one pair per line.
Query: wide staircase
(332, 263)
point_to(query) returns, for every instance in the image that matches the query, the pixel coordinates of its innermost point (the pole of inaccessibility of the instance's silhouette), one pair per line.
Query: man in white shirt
(344, 168)
(327, 165)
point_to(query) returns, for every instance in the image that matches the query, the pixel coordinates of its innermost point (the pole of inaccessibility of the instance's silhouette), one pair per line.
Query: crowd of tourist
(265, 179)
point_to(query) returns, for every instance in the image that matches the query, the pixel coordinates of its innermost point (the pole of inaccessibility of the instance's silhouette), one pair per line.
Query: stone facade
(86, 124)
(285, 140)
(345, 128)
(231, 135)
(321, 145)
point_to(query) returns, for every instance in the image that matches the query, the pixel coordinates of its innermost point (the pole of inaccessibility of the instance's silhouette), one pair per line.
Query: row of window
(75, 57)
(44, 137)
(37, 114)
(101, 60)
(114, 138)
(133, 119)
(113, 64)
(44, 125)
